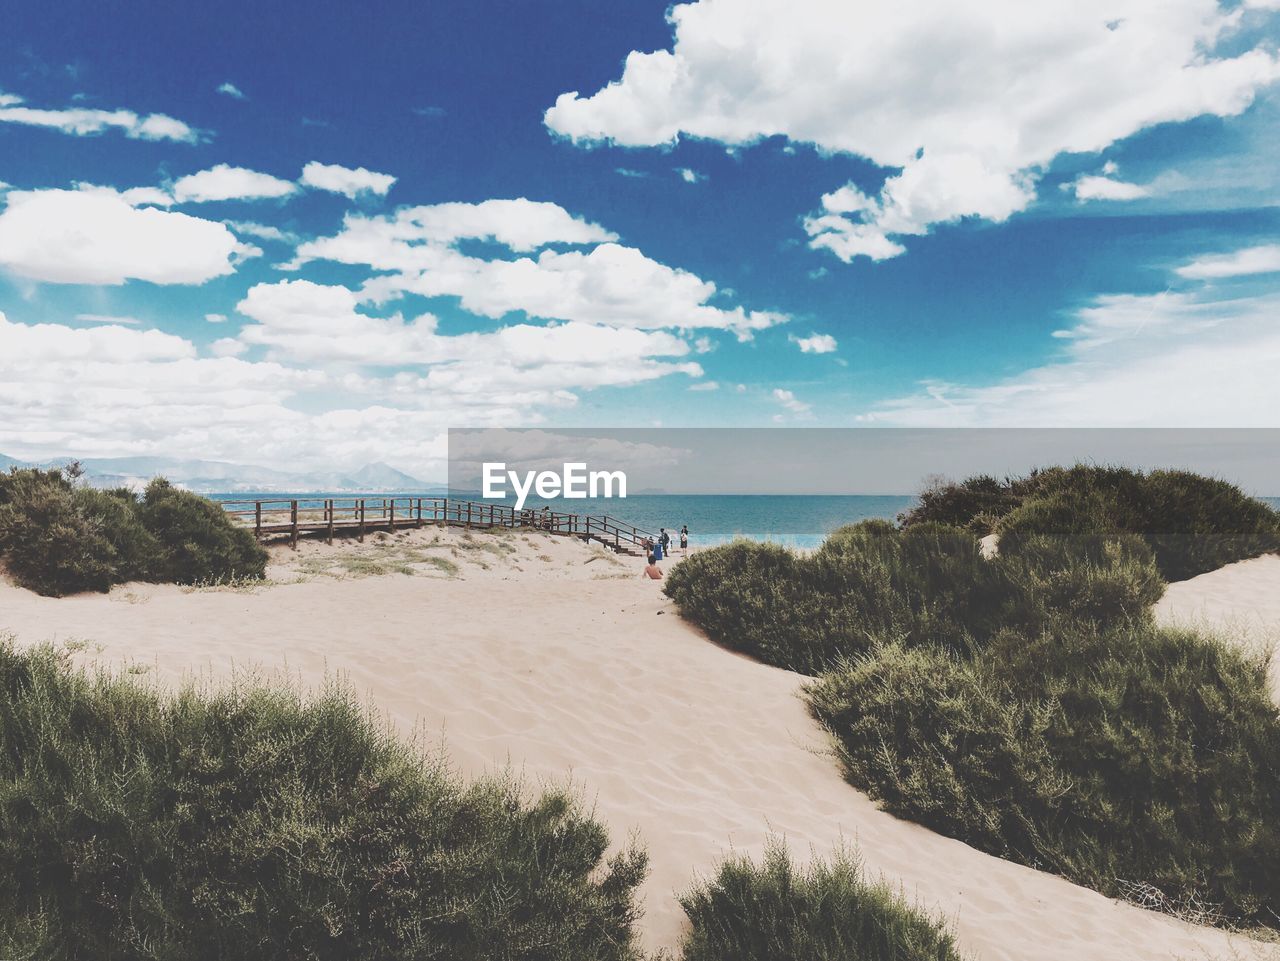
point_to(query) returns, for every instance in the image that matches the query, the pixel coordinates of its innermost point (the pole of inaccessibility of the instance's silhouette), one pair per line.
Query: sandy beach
(558, 659)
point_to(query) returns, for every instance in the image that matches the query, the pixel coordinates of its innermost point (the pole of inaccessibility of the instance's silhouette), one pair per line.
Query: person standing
(666, 540)
(684, 539)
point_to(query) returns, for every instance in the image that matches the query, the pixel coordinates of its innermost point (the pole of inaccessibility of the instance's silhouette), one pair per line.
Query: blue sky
(729, 213)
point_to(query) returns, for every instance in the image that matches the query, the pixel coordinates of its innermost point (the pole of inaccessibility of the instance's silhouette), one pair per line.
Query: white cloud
(815, 344)
(313, 323)
(962, 102)
(1092, 187)
(1165, 360)
(92, 237)
(609, 284)
(216, 318)
(81, 122)
(109, 319)
(522, 225)
(225, 182)
(704, 385)
(76, 391)
(792, 403)
(231, 90)
(690, 176)
(346, 180)
(228, 347)
(1263, 259)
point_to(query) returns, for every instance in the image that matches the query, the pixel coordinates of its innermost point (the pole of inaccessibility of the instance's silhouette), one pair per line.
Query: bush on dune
(58, 538)
(925, 585)
(1192, 523)
(775, 910)
(1128, 758)
(254, 823)
(200, 542)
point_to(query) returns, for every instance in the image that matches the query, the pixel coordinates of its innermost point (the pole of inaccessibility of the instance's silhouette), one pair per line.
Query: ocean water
(793, 520)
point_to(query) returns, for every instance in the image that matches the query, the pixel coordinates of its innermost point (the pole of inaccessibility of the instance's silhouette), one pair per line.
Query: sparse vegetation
(775, 910)
(57, 537)
(257, 823)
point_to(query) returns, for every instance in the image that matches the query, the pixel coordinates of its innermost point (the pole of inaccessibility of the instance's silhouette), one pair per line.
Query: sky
(318, 235)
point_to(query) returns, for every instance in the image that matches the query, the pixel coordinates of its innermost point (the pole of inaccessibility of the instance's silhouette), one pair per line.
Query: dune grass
(256, 823)
(774, 910)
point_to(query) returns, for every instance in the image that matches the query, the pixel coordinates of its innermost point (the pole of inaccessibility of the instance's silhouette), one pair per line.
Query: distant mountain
(208, 476)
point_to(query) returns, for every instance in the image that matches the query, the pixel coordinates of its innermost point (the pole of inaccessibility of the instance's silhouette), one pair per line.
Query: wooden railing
(328, 516)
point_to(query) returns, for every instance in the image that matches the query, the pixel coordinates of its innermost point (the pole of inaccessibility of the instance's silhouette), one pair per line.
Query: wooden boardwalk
(361, 515)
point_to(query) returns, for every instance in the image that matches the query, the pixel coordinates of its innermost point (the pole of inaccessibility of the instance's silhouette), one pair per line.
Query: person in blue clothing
(657, 549)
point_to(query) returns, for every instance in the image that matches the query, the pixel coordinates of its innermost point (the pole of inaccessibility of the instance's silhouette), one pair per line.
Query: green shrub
(828, 911)
(970, 504)
(201, 543)
(58, 539)
(1128, 759)
(927, 584)
(256, 824)
(1192, 523)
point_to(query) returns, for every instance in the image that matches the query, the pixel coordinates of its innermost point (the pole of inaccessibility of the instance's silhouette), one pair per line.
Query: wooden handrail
(327, 515)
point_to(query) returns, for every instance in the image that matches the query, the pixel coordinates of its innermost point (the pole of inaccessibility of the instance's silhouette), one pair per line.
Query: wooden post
(257, 520)
(361, 534)
(419, 524)
(391, 514)
(328, 509)
(468, 515)
(293, 519)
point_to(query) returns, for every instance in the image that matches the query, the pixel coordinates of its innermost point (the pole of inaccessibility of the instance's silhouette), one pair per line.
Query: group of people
(661, 547)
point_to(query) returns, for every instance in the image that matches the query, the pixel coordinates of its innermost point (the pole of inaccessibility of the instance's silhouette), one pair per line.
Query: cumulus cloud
(609, 284)
(81, 122)
(96, 237)
(314, 323)
(77, 390)
(345, 180)
(1263, 259)
(231, 90)
(815, 344)
(690, 176)
(224, 182)
(521, 225)
(963, 103)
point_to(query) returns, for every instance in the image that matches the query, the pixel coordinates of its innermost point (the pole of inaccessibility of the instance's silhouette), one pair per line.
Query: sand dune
(565, 663)
(1240, 601)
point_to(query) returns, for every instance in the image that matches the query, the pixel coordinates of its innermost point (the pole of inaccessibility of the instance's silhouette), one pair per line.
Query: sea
(793, 520)
(801, 521)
